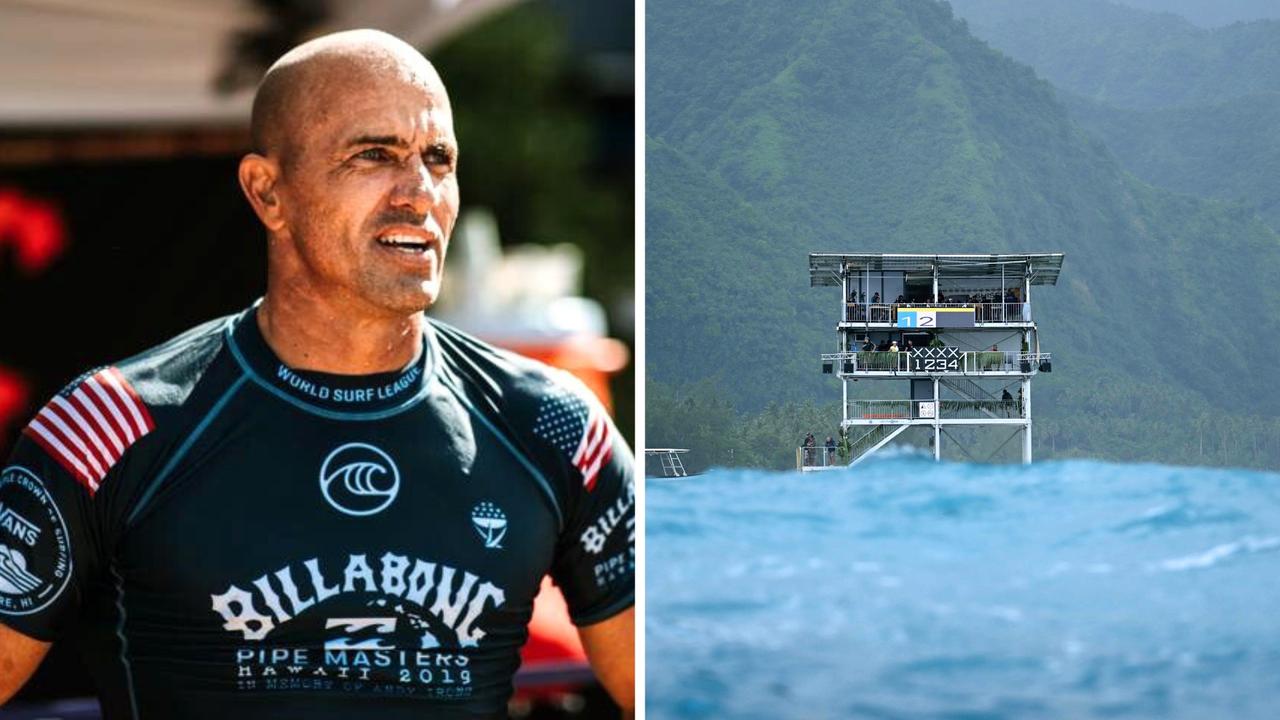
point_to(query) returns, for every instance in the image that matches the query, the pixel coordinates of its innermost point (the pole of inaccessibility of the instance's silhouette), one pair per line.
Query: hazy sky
(1212, 13)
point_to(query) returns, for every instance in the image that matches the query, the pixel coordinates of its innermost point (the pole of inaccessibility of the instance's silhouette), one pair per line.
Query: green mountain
(1130, 58)
(1182, 108)
(1229, 151)
(884, 125)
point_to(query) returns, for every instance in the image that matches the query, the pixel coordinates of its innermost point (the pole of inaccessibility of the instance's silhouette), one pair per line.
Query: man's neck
(309, 333)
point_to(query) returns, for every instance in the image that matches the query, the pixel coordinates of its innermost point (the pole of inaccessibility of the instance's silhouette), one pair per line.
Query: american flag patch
(578, 428)
(89, 425)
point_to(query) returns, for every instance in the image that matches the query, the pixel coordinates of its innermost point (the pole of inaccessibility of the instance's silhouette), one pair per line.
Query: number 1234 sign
(936, 360)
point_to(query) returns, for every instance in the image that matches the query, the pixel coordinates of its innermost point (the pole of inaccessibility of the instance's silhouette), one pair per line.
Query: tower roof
(1043, 268)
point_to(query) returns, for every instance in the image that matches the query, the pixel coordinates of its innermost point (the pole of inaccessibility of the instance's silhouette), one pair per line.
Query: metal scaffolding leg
(1026, 418)
(994, 453)
(937, 426)
(960, 445)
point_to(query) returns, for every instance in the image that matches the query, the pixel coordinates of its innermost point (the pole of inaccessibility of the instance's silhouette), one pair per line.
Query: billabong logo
(594, 537)
(358, 633)
(359, 479)
(442, 605)
(490, 522)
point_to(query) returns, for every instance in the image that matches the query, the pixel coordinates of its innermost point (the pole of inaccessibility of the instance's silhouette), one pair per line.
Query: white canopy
(83, 63)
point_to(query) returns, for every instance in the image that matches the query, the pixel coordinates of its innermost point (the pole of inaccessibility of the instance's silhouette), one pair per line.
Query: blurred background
(122, 224)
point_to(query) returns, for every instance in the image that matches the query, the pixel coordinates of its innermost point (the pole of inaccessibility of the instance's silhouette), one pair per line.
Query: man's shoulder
(542, 405)
(509, 375)
(125, 408)
(164, 375)
(549, 415)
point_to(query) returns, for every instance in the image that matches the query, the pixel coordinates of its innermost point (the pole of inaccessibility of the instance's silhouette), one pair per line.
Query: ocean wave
(908, 588)
(1221, 553)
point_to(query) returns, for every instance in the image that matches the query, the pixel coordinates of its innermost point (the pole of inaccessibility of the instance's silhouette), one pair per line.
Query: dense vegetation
(1229, 151)
(1212, 13)
(1130, 58)
(1183, 108)
(883, 125)
(700, 416)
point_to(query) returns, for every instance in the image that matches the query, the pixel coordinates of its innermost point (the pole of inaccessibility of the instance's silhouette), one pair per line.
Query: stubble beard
(399, 296)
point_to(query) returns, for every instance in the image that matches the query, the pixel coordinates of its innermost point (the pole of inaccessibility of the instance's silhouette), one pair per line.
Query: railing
(820, 456)
(887, 313)
(875, 313)
(926, 409)
(1002, 312)
(928, 361)
(968, 389)
(978, 409)
(880, 409)
(669, 459)
(860, 444)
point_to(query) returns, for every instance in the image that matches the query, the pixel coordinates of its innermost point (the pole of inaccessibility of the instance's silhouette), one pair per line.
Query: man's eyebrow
(392, 140)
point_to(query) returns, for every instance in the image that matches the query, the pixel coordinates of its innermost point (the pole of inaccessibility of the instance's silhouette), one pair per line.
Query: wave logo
(14, 577)
(490, 522)
(359, 479)
(360, 633)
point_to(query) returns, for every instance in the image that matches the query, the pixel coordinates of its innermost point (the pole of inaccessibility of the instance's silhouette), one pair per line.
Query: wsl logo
(359, 479)
(490, 522)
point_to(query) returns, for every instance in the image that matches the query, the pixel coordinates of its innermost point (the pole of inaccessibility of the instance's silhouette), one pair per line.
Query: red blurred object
(34, 228)
(552, 662)
(38, 235)
(591, 359)
(14, 396)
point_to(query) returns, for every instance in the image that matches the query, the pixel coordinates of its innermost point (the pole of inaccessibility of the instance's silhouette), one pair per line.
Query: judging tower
(958, 330)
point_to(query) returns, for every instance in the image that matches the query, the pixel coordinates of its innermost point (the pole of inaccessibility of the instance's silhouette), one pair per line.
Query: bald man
(327, 505)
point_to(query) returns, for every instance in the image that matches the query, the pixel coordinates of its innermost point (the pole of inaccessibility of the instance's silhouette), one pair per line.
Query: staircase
(971, 390)
(671, 465)
(968, 388)
(874, 439)
(669, 458)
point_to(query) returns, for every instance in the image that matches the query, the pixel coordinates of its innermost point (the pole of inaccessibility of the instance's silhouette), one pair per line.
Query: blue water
(908, 589)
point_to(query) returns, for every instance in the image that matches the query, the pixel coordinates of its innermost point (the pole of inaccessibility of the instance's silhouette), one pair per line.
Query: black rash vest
(229, 537)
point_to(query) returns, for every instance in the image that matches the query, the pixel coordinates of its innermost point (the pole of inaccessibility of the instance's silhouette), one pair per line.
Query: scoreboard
(935, 317)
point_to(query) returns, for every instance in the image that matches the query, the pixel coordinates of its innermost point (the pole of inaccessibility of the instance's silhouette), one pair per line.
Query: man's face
(369, 191)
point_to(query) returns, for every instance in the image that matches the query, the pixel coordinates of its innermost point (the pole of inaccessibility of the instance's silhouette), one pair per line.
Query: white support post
(937, 421)
(844, 406)
(844, 294)
(1026, 419)
(935, 282)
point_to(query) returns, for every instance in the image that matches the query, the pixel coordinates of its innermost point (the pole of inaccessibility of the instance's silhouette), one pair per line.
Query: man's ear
(258, 178)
